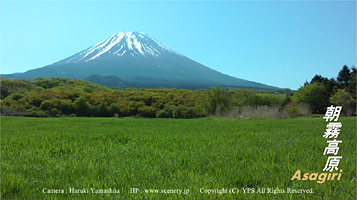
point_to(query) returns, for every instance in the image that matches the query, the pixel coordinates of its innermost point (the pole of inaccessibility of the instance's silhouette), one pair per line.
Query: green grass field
(194, 154)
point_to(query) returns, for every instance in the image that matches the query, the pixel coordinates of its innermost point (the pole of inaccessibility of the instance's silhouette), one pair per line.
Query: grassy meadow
(201, 156)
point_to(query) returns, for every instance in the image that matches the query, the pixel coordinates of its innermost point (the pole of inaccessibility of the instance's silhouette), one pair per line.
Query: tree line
(54, 97)
(321, 92)
(70, 97)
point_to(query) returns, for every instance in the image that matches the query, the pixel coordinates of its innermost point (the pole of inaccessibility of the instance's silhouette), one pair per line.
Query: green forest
(55, 97)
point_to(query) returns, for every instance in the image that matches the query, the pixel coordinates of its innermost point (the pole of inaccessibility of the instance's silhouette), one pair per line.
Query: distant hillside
(109, 81)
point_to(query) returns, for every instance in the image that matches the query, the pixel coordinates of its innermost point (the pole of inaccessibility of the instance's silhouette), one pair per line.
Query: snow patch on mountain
(115, 40)
(119, 44)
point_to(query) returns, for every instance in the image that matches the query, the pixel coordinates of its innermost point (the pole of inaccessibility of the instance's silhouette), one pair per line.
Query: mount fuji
(134, 59)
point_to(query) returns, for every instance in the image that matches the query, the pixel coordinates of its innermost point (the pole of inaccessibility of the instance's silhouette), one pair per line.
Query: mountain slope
(109, 81)
(135, 54)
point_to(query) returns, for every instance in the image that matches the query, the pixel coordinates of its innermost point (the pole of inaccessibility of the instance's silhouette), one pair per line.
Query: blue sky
(279, 43)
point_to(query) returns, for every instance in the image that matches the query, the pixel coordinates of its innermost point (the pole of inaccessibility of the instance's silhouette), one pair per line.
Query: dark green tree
(103, 110)
(114, 109)
(243, 97)
(330, 84)
(66, 107)
(82, 106)
(318, 78)
(213, 100)
(313, 94)
(344, 77)
(353, 82)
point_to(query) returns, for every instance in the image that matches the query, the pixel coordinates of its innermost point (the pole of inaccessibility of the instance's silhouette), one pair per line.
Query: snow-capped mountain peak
(120, 44)
(134, 59)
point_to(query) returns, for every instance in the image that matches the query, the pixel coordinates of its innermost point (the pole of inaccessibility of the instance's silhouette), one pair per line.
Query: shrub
(167, 112)
(94, 111)
(343, 98)
(54, 112)
(256, 111)
(315, 95)
(127, 108)
(87, 89)
(161, 114)
(147, 111)
(213, 100)
(114, 109)
(82, 106)
(183, 112)
(177, 113)
(103, 110)
(304, 109)
(66, 107)
(36, 113)
(292, 109)
(242, 97)
(16, 96)
(46, 105)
